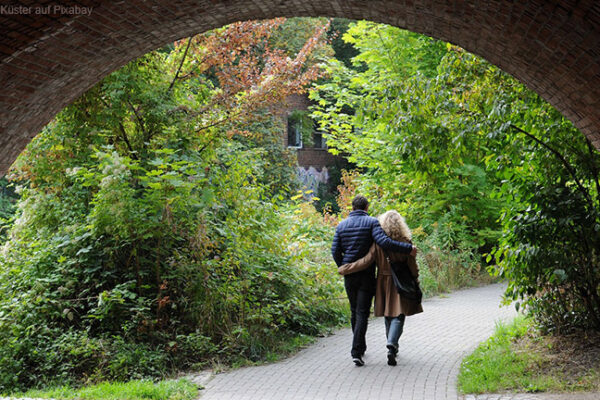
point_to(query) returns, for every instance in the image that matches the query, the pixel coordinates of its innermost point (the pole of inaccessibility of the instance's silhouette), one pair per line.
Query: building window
(303, 132)
(319, 140)
(294, 129)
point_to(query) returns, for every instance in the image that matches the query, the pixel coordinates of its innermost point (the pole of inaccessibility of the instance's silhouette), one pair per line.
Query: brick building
(314, 161)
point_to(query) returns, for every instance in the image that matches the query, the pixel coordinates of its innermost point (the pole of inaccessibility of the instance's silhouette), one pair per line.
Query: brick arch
(48, 60)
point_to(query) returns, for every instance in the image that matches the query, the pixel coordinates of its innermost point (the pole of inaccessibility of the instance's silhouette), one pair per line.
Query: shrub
(153, 232)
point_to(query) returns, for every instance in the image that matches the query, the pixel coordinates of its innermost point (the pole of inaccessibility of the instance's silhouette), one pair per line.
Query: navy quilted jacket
(354, 236)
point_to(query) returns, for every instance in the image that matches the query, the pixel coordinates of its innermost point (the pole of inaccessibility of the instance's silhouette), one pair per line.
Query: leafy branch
(561, 158)
(593, 153)
(123, 132)
(187, 48)
(139, 120)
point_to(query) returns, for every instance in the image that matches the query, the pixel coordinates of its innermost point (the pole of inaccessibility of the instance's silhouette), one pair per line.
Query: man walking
(352, 240)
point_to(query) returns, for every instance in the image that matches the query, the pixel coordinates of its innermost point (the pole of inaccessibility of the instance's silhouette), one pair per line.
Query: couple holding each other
(360, 242)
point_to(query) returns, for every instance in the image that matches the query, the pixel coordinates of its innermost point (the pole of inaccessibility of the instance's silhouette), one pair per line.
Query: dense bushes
(155, 273)
(550, 251)
(7, 207)
(152, 233)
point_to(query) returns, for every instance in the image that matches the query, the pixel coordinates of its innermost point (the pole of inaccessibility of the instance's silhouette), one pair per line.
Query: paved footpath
(431, 349)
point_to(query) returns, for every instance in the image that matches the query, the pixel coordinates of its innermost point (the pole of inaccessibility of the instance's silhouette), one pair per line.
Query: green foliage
(518, 359)
(476, 160)
(180, 389)
(153, 235)
(8, 199)
(342, 50)
(293, 33)
(415, 154)
(550, 248)
(398, 122)
(388, 49)
(495, 366)
(442, 269)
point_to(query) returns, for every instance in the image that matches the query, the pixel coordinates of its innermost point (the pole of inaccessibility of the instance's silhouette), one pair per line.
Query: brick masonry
(48, 59)
(317, 158)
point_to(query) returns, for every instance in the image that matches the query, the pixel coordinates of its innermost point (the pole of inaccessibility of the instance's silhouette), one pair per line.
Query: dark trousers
(360, 296)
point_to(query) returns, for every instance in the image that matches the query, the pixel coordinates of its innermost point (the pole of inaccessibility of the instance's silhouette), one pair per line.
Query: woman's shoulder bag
(406, 284)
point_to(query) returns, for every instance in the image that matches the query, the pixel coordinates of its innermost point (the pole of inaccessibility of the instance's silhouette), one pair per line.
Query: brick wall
(49, 59)
(317, 158)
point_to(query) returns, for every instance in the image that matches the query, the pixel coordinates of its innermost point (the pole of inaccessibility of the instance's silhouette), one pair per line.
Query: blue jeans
(393, 329)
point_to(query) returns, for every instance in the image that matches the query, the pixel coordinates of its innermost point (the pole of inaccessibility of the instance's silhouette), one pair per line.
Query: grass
(180, 389)
(517, 359)
(292, 346)
(278, 350)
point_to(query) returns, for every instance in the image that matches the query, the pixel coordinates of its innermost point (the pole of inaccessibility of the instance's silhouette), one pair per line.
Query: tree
(415, 155)
(147, 238)
(456, 144)
(549, 248)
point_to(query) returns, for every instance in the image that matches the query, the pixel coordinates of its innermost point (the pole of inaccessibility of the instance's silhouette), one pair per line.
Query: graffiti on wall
(311, 178)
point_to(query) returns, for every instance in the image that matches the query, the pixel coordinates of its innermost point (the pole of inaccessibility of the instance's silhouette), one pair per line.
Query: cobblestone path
(431, 348)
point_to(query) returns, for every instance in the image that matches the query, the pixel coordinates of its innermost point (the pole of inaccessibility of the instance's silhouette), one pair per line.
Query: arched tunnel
(51, 52)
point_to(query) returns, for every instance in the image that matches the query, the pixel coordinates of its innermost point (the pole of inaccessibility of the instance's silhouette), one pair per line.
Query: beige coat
(387, 300)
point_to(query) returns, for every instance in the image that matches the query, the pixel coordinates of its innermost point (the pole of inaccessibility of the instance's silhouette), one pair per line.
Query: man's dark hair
(360, 203)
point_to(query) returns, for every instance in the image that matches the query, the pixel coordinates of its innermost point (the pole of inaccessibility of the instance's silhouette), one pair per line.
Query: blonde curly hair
(395, 226)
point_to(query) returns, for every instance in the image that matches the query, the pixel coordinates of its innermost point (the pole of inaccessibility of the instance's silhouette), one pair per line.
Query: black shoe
(358, 361)
(391, 355)
(391, 359)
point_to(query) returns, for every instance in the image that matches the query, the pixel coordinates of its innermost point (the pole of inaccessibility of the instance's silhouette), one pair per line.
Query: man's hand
(413, 252)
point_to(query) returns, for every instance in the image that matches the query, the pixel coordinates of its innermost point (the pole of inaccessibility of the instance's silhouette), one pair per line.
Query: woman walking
(388, 303)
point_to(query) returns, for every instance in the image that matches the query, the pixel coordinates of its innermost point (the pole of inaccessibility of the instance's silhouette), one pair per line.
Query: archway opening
(113, 165)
